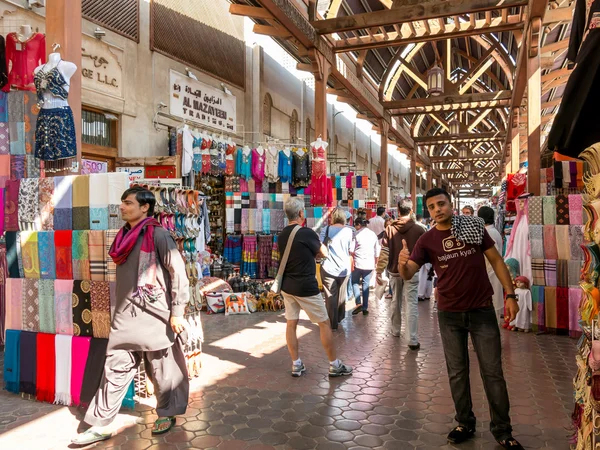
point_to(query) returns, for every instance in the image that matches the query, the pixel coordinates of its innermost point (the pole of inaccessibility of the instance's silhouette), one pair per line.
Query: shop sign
(101, 69)
(161, 172)
(200, 103)
(89, 166)
(135, 173)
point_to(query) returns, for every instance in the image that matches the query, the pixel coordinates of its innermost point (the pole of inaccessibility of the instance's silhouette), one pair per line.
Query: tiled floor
(397, 399)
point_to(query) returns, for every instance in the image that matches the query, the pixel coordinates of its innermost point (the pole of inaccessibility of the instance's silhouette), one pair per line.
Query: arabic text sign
(100, 67)
(135, 173)
(201, 103)
(90, 166)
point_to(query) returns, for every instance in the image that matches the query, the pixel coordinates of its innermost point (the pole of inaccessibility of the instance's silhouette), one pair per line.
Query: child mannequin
(523, 320)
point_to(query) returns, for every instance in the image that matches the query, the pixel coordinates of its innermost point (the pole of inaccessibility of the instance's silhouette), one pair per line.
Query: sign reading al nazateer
(200, 103)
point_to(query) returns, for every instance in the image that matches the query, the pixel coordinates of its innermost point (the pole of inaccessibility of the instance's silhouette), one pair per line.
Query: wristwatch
(512, 296)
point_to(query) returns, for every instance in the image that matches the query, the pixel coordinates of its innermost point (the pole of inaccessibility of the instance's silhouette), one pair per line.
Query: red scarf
(124, 244)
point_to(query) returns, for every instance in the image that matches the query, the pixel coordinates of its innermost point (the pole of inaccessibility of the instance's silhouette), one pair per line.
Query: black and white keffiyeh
(468, 229)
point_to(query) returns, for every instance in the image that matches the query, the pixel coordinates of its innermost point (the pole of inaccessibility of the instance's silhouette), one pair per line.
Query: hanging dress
(318, 182)
(272, 165)
(243, 163)
(301, 168)
(230, 159)
(22, 57)
(258, 164)
(285, 166)
(518, 246)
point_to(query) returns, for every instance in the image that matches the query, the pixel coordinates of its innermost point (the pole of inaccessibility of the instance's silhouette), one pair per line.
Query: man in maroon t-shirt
(465, 307)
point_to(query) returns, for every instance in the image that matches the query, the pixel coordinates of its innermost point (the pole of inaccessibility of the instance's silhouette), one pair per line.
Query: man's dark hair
(380, 211)
(487, 214)
(434, 193)
(361, 222)
(419, 217)
(404, 208)
(143, 197)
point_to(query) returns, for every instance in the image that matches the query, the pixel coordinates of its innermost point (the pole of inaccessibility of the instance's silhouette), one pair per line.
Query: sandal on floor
(511, 443)
(160, 421)
(89, 437)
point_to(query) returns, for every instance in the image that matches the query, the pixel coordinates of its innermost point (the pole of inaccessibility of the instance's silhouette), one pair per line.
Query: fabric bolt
(98, 201)
(537, 268)
(28, 204)
(45, 383)
(12, 361)
(575, 295)
(4, 138)
(63, 306)
(27, 362)
(11, 205)
(574, 273)
(47, 260)
(79, 355)
(17, 138)
(33, 166)
(562, 308)
(249, 257)
(576, 240)
(550, 249)
(18, 167)
(538, 315)
(30, 253)
(94, 370)
(81, 202)
(82, 308)
(46, 207)
(562, 273)
(63, 198)
(562, 210)
(563, 244)
(14, 307)
(549, 208)
(97, 255)
(575, 209)
(111, 267)
(46, 306)
(100, 302)
(117, 184)
(63, 244)
(30, 305)
(536, 239)
(550, 272)
(62, 391)
(550, 306)
(81, 255)
(12, 261)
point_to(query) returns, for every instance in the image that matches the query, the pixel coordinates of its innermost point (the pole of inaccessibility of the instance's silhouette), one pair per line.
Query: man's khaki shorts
(313, 306)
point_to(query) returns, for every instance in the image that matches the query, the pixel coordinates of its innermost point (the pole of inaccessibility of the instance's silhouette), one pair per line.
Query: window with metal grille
(120, 16)
(98, 129)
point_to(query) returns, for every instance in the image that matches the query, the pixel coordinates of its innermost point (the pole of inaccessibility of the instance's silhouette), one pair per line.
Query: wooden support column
(383, 163)
(63, 27)
(534, 104)
(515, 146)
(413, 179)
(430, 178)
(321, 71)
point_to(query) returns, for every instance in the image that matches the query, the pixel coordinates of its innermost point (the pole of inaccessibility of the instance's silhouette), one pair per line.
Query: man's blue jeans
(482, 324)
(365, 275)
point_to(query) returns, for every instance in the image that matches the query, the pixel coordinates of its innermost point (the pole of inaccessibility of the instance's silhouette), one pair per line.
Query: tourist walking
(336, 267)
(300, 289)
(457, 247)
(403, 292)
(377, 223)
(365, 250)
(151, 294)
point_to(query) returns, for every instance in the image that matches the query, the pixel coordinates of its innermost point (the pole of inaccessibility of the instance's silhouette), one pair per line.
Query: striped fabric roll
(97, 252)
(550, 272)
(537, 268)
(111, 267)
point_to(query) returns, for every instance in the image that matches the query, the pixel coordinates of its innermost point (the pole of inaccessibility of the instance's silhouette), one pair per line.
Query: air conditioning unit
(37, 3)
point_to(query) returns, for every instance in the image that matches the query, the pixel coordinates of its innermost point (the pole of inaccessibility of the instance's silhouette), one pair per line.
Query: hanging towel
(63, 243)
(63, 306)
(100, 302)
(29, 249)
(575, 209)
(574, 273)
(537, 269)
(81, 255)
(563, 244)
(550, 272)
(45, 364)
(82, 308)
(98, 201)
(550, 249)
(46, 207)
(97, 252)
(12, 258)
(538, 313)
(536, 240)
(63, 199)
(576, 240)
(535, 211)
(94, 370)
(111, 267)
(62, 390)
(79, 355)
(46, 251)
(562, 210)
(12, 354)
(562, 308)
(118, 183)
(550, 306)
(549, 208)
(46, 306)
(11, 205)
(81, 202)
(574, 302)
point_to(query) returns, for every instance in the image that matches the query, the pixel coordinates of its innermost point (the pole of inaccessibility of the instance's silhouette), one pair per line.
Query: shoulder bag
(276, 286)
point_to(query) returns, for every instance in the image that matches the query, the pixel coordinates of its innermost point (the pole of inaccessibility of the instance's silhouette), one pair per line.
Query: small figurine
(523, 320)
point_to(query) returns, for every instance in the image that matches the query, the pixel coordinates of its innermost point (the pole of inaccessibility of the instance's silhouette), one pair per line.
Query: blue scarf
(11, 360)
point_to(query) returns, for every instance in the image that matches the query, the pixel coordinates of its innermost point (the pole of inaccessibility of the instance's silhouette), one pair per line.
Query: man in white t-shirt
(377, 224)
(365, 249)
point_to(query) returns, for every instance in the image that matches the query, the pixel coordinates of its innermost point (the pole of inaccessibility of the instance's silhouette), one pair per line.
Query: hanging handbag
(276, 286)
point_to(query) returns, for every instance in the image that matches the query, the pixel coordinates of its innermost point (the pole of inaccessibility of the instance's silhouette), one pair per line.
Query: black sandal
(511, 443)
(160, 421)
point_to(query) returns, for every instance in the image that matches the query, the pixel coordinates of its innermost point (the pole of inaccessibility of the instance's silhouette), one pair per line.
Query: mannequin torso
(66, 70)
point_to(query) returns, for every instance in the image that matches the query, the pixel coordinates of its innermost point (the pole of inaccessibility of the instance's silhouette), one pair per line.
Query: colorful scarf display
(30, 305)
(111, 267)
(550, 249)
(124, 244)
(12, 361)
(12, 257)
(562, 308)
(100, 302)
(536, 239)
(11, 205)
(63, 242)
(118, 183)
(550, 306)
(549, 208)
(46, 248)
(535, 211)
(576, 239)
(575, 295)
(45, 364)
(538, 314)
(574, 273)
(550, 272)
(46, 306)
(562, 210)
(94, 370)
(29, 204)
(81, 255)
(563, 243)
(62, 391)
(27, 362)
(575, 209)
(81, 202)
(46, 207)
(82, 308)
(562, 273)
(14, 304)
(63, 197)
(30, 254)
(98, 201)
(18, 169)
(79, 355)
(537, 268)
(249, 257)
(97, 252)
(63, 306)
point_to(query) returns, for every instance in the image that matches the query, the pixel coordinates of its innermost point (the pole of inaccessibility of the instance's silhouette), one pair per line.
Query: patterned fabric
(575, 209)
(14, 303)
(550, 272)
(549, 208)
(28, 204)
(111, 267)
(550, 250)
(17, 138)
(55, 134)
(30, 254)
(468, 229)
(31, 111)
(574, 273)
(11, 204)
(3, 291)
(233, 249)
(81, 255)
(46, 306)
(538, 315)
(575, 240)
(274, 266)
(20, 256)
(265, 245)
(82, 308)
(100, 302)
(97, 252)
(46, 207)
(46, 249)
(63, 306)
(249, 257)
(563, 243)
(562, 210)
(4, 139)
(63, 242)
(33, 166)
(30, 305)
(536, 239)
(537, 269)
(17, 167)
(562, 273)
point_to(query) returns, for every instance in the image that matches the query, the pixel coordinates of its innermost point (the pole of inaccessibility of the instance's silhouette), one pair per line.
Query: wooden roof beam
(249, 11)
(271, 31)
(449, 103)
(439, 159)
(559, 15)
(463, 138)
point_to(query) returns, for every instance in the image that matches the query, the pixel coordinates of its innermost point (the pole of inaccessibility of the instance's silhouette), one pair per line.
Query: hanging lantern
(454, 125)
(471, 176)
(467, 167)
(463, 152)
(435, 81)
